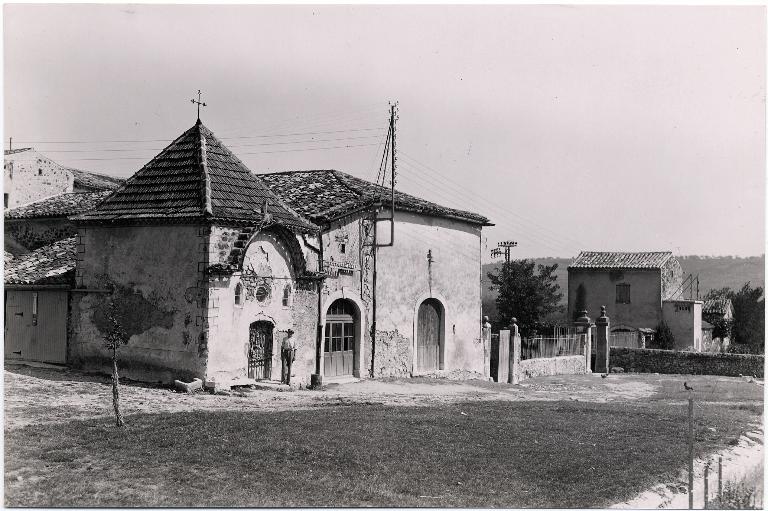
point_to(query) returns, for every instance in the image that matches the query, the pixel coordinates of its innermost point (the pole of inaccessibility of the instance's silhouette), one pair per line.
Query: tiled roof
(324, 195)
(95, 182)
(51, 264)
(195, 177)
(716, 306)
(621, 260)
(66, 204)
(14, 151)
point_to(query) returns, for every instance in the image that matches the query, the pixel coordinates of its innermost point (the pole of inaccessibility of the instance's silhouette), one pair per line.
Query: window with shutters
(622, 293)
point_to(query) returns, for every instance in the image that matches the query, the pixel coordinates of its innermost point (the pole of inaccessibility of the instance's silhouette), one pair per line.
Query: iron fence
(552, 346)
(627, 340)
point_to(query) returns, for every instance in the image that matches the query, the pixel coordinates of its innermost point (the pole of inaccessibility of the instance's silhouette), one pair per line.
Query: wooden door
(36, 325)
(339, 346)
(428, 336)
(260, 350)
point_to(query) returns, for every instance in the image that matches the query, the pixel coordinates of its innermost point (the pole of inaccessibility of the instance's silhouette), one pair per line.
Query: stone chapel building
(218, 263)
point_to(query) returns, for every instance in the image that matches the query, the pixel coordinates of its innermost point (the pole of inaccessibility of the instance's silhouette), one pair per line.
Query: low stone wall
(686, 362)
(575, 364)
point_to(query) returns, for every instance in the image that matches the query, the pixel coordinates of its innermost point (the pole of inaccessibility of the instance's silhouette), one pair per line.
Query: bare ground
(35, 395)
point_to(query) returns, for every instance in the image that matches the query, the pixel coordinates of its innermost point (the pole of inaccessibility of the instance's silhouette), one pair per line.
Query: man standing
(288, 354)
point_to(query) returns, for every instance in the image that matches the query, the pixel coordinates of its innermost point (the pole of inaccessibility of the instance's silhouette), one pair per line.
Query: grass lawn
(471, 454)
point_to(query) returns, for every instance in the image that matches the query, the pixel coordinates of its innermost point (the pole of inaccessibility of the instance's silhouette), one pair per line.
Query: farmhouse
(217, 264)
(29, 176)
(639, 290)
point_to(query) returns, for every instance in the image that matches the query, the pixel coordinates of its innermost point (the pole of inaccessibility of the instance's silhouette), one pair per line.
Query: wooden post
(706, 485)
(690, 449)
(720, 480)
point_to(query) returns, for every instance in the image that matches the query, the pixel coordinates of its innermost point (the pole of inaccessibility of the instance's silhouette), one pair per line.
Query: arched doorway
(340, 339)
(429, 337)
(260, 350)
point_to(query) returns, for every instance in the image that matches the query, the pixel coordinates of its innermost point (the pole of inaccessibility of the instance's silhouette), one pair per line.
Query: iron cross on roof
(198, 102)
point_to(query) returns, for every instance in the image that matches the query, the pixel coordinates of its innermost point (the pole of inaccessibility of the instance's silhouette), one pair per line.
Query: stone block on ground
(196, 384)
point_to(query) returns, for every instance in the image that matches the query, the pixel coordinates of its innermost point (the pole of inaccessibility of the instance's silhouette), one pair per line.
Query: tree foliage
(747, 330)
(115, 336)
(525, 292)
(663, 339)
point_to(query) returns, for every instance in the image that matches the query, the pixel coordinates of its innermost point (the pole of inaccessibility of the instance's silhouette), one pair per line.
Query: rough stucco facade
(644, 309)
(407, 277)
(29, 176)
(154, 268)
(286, 302)
(684, 320)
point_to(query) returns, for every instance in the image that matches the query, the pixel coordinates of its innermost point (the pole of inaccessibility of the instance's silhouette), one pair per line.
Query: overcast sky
(572, 128)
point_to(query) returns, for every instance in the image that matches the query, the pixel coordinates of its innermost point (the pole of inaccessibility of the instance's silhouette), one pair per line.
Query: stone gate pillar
(514, 353)
(486, 347)
(602, 342)
(584, 327)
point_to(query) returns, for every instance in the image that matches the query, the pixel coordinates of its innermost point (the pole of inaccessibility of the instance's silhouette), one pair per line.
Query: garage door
(36, 325)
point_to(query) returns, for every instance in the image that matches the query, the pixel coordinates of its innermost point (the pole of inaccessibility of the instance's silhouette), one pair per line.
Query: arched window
(239, 294)
(287, 295)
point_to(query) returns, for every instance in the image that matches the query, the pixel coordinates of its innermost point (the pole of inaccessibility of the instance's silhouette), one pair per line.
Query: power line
(554, 236)
(273, 135)
(552, 244)
(309, 141)
(241, 154)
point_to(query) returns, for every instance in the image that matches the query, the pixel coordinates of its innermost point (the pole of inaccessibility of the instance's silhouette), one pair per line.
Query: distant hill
(714, 272)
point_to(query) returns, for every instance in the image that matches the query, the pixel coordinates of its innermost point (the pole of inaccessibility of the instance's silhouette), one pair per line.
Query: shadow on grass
(471, 454)
(65, 374)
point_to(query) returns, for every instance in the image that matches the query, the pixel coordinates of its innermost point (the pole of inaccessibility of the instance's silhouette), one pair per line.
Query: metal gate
(428, 340)
(260, 350)
(36, 325)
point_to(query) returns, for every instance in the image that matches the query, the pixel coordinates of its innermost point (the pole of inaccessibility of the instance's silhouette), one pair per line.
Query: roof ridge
(205, 182)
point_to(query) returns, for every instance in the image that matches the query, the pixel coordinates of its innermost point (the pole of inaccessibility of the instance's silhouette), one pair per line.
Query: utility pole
(10, 143)
(503, 248)
(392, 127)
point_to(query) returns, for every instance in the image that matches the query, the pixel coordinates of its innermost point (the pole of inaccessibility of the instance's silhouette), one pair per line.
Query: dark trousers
(287, 355)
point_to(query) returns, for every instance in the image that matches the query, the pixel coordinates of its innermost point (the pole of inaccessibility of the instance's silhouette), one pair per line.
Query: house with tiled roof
(45, 221)
(409, 286)
(30, 176)
(37, 288)
(639, 291)
(191, 234)
(217, 264)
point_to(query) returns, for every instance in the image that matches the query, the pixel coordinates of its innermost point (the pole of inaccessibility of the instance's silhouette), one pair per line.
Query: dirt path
(36, 395)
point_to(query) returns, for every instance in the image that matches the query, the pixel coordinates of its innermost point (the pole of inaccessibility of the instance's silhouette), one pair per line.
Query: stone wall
(687, 362)
(552, 366)
(35, 233)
